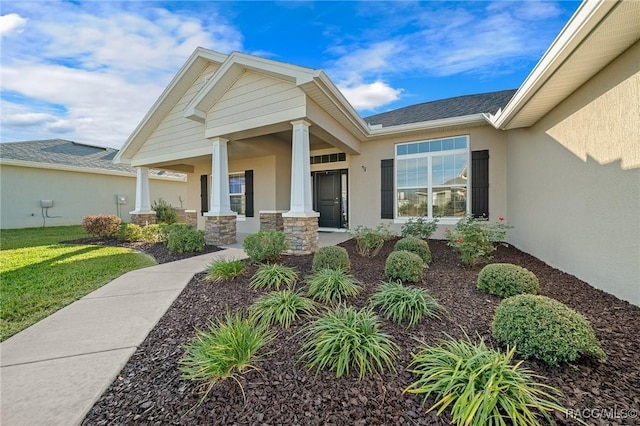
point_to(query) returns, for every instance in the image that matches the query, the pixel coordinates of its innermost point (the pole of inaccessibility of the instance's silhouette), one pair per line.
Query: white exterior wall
(574, 182)
(74, 194)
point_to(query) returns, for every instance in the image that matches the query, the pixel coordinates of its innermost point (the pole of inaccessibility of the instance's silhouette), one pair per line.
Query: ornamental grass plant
(273, 276)
(481, 386)
(332, 286)
(224, 270)
(282, 307)
(347, 339)
(405, 304)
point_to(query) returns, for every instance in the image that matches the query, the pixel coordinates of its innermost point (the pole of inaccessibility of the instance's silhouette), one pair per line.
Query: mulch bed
(149, 389)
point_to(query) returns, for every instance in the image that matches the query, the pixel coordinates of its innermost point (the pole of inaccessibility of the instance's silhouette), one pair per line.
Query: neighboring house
(272, 145)
(78, 179)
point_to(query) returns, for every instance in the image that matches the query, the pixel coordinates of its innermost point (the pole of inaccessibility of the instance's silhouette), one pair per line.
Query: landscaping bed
(149, 389)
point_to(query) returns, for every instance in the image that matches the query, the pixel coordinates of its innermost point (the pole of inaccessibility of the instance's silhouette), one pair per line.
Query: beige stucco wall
(75, 195)
(365, 175)
(574, 182)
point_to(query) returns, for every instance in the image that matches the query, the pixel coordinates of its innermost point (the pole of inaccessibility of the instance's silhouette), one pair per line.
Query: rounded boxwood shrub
(265, 246)
(544, 328)
(506, 280)
(404, 265)
(102, 225)
(130, 232)
(415, 245)
(331, 257)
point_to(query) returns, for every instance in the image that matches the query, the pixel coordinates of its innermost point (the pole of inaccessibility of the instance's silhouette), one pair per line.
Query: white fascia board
(200, 52)
(462, 121)
(588, 15)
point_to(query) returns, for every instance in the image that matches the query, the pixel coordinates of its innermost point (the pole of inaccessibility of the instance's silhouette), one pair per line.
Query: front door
(328, 197)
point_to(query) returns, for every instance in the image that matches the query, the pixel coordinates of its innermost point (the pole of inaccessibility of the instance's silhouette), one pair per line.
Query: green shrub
(281, 307)
(400, 303)
(419, 227)
(332, 286)
(265, 246)
(130, 232)
(506, 280)
(544, 328)
(187, 239)
(152, 233)
(166, 230)
(368, 241)
(475, 239)
(415, 245)
(224, 269)
(346, 339)
(482, 386)
(332, 257)
(101, 225)
(164, 212)
(227, 349)
(404, 266)
(384, 230)
(273, 276)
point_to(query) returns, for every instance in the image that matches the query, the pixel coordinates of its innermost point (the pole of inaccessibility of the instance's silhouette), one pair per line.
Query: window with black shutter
(386, 195)
(248, 193)
(204, 194)
(480, 183)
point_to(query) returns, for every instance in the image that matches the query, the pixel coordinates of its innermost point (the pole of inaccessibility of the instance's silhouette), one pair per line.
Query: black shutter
(248, 193)
(386, 195)
(480, 183)
(204, 194)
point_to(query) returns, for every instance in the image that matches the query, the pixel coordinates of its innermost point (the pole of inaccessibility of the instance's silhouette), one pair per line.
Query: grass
(40, 275)
(273, 276)
(224, 270)
(281, 307)
(400, 303)
(331, 286)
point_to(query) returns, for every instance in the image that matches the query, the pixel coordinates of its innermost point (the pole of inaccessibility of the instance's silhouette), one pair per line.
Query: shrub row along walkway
(54, 371)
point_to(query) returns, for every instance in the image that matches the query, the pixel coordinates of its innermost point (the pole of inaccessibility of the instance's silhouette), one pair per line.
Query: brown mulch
(149, 389)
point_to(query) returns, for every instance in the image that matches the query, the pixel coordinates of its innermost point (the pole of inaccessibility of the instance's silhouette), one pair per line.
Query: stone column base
(220, 230)
(191, 218)
(302, 233)
(271, 221)
(143, 218)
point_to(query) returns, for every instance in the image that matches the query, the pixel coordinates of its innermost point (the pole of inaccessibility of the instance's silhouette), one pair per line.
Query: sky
(88, 71)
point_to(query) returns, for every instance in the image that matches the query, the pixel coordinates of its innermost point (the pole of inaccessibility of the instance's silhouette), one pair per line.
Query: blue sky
(89, 71)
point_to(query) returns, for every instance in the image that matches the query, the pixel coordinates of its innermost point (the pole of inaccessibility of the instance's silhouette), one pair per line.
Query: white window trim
(239, 217)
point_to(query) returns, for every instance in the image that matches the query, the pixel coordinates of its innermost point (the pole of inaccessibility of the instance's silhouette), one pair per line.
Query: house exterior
(78, 179)
(272, 145)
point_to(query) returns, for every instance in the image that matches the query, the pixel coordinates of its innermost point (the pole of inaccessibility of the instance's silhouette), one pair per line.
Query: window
(237, 189)
(431, 178)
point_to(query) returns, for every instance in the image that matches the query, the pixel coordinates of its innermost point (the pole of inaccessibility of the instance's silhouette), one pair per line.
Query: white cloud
(11, 23)
(369, 96)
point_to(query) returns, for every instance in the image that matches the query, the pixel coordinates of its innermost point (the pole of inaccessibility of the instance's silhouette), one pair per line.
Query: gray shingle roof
(444, 108)
(68, 153)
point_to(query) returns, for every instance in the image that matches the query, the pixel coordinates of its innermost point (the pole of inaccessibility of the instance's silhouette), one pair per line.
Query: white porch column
(220, 204)
(301, 203)
(143, 201)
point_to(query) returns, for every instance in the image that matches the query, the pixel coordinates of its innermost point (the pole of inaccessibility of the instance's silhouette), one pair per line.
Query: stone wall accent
(271, 221)
(180, 215)
(302, 233)
(191, 218)
(220, 230)
(143, 219)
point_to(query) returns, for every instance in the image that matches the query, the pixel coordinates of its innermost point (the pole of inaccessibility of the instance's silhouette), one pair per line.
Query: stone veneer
(220, 229)
(302, 233)
(271, 221)
(191, 218)
(143, 219)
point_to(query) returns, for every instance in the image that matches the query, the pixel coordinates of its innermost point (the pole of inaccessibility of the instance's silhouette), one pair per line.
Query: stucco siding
(75, 195)
(365, 178)
(574, 182)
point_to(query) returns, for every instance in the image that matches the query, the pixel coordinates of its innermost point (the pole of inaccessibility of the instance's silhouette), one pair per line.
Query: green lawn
(39, 275)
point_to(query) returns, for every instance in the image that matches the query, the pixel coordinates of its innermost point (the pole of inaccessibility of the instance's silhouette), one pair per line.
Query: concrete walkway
(53, 372)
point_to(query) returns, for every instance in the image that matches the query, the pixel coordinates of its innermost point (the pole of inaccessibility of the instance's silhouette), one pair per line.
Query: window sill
(241, 218)
(442, 221)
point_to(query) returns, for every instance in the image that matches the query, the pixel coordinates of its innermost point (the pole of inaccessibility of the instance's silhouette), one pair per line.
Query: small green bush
(164, 212)
(186, 239)
(400, 303)
(347, 339)
(369, 241)
(404, 266)
(281, 307)
(506, 280)
(544, 328)
(419, 227)
(482, 386)
(166, 230)
(415, 245)
(227, 349)
(130, 232)
(152, 233)
(332, 257)
(265, 246)
(102, 225)
(332, 286)
(273, 276)
(224, 270)
(475, 238)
